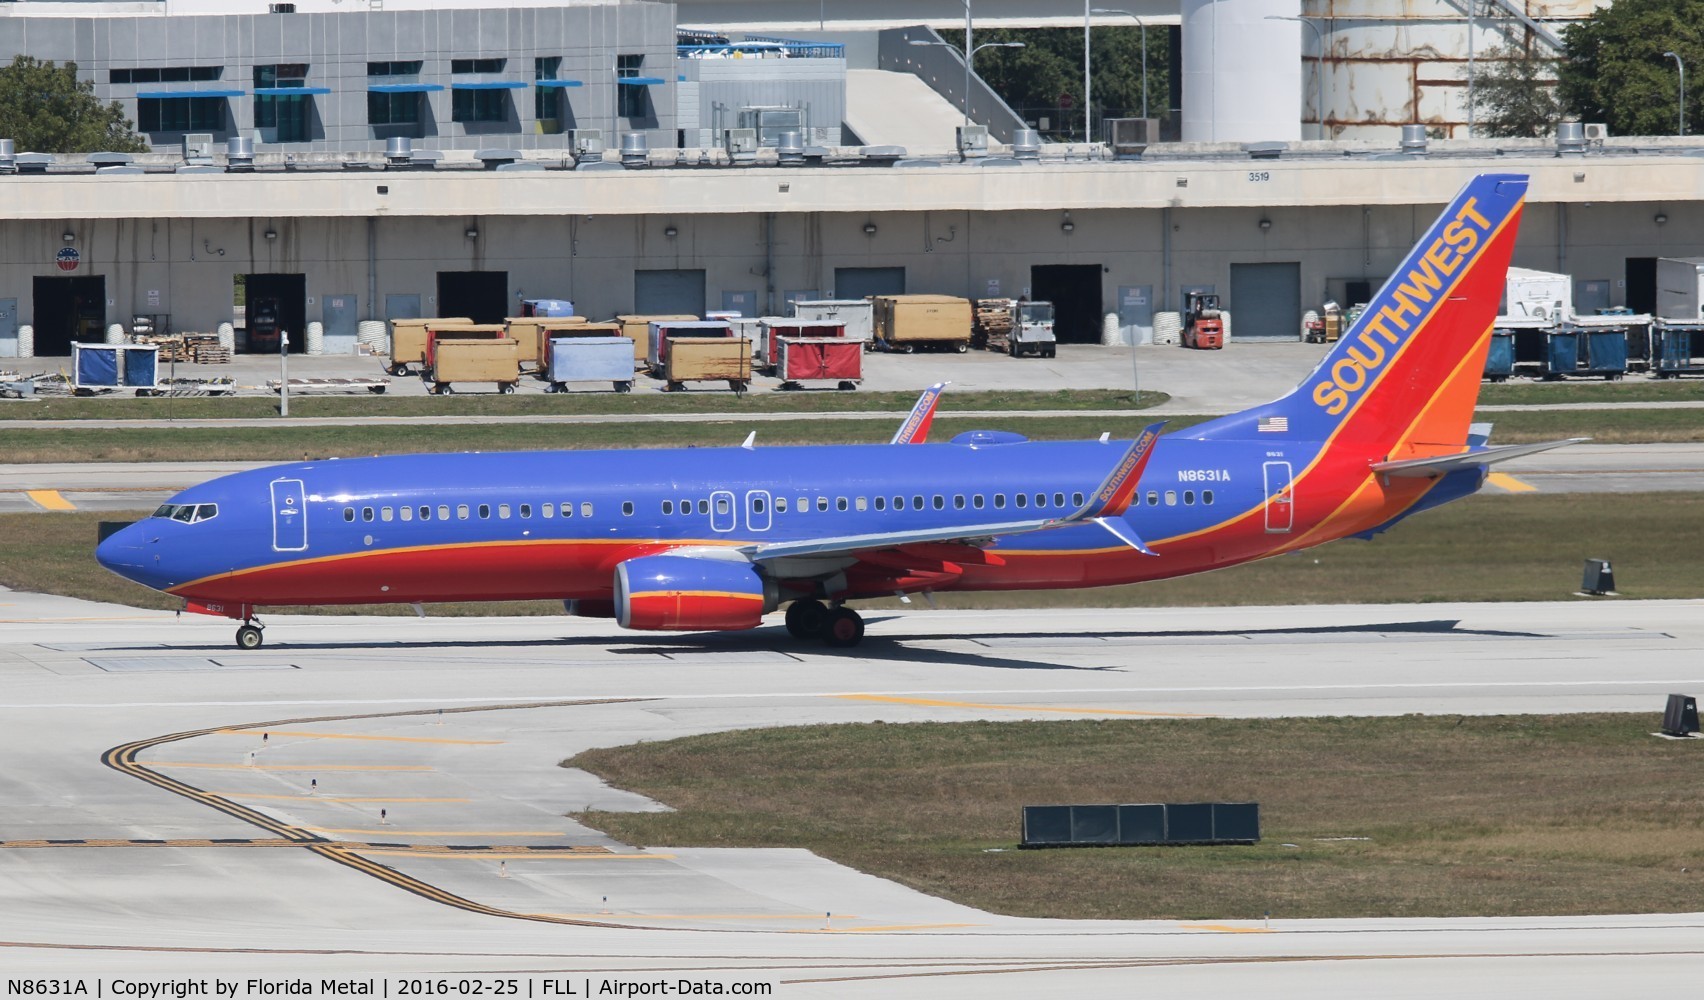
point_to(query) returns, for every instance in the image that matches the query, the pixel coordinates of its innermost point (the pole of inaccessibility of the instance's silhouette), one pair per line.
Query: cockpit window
(188, 513)
(206, 511)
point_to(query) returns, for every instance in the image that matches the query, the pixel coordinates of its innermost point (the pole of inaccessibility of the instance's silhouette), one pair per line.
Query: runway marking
(936, 703)
(329, 798)
(288, 767)
(888, 927)
(1510, 483)
(1227, 929)
(709, 916)
(360, 736)
(507, 854)
(443, 833)
(50, 499)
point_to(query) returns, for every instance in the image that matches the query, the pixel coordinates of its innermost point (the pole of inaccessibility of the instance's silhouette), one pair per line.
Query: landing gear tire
(845, 628)
(249, 637)
(807, 619)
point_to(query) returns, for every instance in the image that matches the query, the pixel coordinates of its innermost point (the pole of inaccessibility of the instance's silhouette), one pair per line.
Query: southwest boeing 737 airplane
(715, 538)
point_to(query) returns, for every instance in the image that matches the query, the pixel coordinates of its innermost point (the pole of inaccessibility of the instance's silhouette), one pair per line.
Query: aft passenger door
(722, 515)
(289, 516)
(1280, 498)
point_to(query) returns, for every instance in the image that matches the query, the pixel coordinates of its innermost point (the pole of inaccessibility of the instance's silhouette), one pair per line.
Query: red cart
(819, 359)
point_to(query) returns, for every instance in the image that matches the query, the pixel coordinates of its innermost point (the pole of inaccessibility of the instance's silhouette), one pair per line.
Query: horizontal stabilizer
(1438, 465)
(1122, 531)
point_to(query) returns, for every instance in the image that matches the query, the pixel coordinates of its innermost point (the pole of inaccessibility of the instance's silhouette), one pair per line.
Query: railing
(941, 66)
(763, 48)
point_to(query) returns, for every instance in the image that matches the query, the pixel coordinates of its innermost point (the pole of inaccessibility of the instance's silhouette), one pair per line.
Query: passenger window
(548, 510)
(1021, 499)
(916, 503)
(840, 503)
(1076, 500)
(757, 505)
(526, 510)
(366, 513)
(567, 510)
(958, 501)
(484, 512)
(722, 506)
(1207, 496)
(822, 503)
(503, 511)
(425, 513)
(1189, 498)
(898, 503)
(406, 513)
(703, 506)
(881, 503)
(804, 505)
(1153, 498)
(626, 508)
(585, 508)
(781, 505)
(976, 501)
(444, 512)
(349, 513)
(860, 503)
(386, 513)
(1041, 499)
(685, 506)
(999, 501)
(461, 511)
(1058, 499)
(1171, 498)
(940, 502)
(668, 506)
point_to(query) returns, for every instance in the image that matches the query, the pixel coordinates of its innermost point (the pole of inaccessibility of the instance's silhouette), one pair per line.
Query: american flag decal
(1274, 425)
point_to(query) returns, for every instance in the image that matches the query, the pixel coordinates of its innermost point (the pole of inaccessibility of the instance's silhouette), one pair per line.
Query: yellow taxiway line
(360, 736)
(696, 916)
(937, 703)
(1226, 928)
(889, 927)
(286, 767)
(326, 798)
(501, 855)
(50, 500)
(1505, 481)
(443, 833)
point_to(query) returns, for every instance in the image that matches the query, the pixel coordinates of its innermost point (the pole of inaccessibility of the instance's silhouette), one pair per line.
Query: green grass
(573, 403)
(1636, 390)
(1487, 548)
(1491, 816)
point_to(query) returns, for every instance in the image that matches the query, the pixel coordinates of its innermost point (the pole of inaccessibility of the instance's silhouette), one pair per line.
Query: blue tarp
(558, 83)
(97, 366)
(139, 368)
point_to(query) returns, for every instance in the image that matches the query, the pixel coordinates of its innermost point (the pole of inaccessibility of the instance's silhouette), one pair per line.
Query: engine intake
(689, 594)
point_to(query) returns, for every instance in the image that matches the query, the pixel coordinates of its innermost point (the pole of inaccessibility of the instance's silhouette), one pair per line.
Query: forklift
(1203, 329)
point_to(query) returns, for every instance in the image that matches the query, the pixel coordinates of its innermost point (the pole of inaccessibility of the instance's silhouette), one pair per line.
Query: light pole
(969, 55)
(1682, 67)
(1144, 24)
(1319, 64)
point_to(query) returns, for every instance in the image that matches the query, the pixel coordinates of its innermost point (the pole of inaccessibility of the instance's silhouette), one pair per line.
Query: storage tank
(1242, 81)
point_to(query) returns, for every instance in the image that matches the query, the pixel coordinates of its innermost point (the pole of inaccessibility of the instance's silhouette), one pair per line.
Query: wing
(915, 430)
(1108, 501)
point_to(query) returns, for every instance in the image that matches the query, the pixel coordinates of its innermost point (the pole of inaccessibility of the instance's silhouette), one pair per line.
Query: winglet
(1112, 497)
(915, 430)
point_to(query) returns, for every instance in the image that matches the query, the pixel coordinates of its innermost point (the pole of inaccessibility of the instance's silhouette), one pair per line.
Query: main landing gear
(249, 634)
(840, 626)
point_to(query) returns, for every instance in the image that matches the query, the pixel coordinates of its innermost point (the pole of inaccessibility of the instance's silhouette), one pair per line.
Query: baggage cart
(637, 328)
(408, 341)
(1677, 348)
(857, 315)
(819, 359)
(708, 359)
(552, 308)
(1680, 289)
(590, 359)
(1571, 351)
(100, 368)
(472, 360)
(1500, 359)
(576, 331)
(662, 331)
(533, 334)
(766, 352)
(1561, 354)
(376, 386)
(905, 323)
(1606, 353)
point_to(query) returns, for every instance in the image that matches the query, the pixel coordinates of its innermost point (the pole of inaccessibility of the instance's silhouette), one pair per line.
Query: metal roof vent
(1265, 150)
(8, 156)
(1570, 139)
(494, 158)
(34, 163)
(790, 149)
(1026, 144)
(399, 151)
(239, 153)
(1414, 139)
(635, 150)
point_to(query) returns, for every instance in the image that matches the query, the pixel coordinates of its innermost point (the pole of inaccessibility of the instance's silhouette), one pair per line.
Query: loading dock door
(666, 293)
(69, 310)
(1075, 291)
(275, 303)
(341, 317)
(482, 296)
(1266, 301)
(1642, 284)
(8, 328)
(862, 282)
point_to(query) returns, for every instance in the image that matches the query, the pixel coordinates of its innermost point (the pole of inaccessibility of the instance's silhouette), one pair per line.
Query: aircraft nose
(122, 552)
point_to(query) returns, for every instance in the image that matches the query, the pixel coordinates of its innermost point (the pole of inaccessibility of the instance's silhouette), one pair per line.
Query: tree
(1616, 72)
(1033, 79)
(46, 109)
(1516, 95)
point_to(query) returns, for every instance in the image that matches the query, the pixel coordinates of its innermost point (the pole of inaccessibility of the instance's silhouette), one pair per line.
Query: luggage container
(1500, 359)
(857, 315)
(904, 323)
(105, 367)
(708, 359)
(1606, 353)
(1677, 348)
(469, 360)
(1680, 289)
(1540, 295)
(577, 331)
(1574, 352)
(766, 353)
(590, 359)
(1561, 354)
(534, 333)
(637, 328)
(408, 341)
(552, 308)
(819, 359)
(661, 331)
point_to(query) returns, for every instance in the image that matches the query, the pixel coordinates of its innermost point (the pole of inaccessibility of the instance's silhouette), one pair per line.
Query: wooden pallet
(993, 323)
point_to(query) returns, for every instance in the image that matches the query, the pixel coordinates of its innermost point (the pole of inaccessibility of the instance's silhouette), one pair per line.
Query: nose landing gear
(249, 634)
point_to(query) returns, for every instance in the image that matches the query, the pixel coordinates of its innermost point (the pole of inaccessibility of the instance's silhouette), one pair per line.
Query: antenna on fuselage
(751, 439)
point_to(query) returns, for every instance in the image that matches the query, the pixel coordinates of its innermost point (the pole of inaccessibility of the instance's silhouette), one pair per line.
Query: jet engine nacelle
(689, 594)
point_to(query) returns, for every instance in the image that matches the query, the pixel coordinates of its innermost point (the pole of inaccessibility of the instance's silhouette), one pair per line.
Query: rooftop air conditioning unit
(1129, 137)
(198, 147)
(741, 144)
(281, 8)
(588, 143)
(1595, 131)
(972, 141)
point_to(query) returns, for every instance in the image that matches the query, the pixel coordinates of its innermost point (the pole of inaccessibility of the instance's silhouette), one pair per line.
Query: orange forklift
(1203, 329)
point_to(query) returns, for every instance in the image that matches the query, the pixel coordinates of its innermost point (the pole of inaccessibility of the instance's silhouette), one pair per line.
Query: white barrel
(1225, 324)
(372, 334)
(227, 336)
(26, 341)
(1111, 334)
(316, 338)
(1168, 328)
(115, 334)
